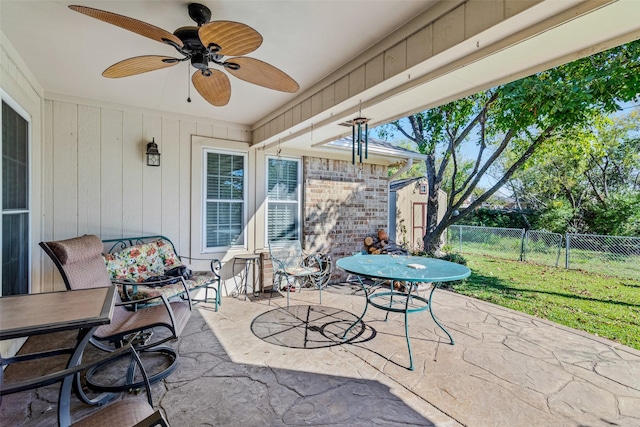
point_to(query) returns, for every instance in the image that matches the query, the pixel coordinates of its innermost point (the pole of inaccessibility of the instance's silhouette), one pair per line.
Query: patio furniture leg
(433, 288)
(406, 333)
(386, 316)
(75, 383)
(366, 305)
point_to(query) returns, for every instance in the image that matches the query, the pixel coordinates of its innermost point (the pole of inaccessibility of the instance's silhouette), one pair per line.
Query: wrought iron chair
(295, 267)
(121, 413)
(81, 265)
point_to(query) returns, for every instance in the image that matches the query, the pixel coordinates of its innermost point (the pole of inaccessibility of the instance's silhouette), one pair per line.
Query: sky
(470, 148)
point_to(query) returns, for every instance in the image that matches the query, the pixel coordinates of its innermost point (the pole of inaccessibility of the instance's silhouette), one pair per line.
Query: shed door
(419, 224)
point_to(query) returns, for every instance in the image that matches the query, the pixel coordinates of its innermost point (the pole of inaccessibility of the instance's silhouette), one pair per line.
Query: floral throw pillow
(168, 256)
(136, 263)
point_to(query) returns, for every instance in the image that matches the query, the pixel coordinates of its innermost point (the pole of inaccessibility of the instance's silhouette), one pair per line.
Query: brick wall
(342, 206)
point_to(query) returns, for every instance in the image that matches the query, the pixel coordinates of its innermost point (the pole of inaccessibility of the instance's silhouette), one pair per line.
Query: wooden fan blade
(139, 65)
(130, 24)
(215, 88)
(233, 38)
(262, 74)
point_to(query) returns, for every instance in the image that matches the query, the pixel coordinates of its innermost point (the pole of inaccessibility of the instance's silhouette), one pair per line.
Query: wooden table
(36, 314)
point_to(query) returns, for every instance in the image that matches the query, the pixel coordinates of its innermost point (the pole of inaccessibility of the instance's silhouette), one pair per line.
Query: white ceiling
(547, 35)
(307, 39)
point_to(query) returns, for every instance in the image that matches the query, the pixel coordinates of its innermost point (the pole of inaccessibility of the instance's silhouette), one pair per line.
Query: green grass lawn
(601, 305)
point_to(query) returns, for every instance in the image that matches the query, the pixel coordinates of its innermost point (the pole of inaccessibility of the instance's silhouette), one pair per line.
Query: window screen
(283, 199)
(224, 200)
(15, 202)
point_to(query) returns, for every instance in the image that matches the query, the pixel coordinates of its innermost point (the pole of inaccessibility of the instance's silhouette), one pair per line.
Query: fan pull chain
(188, 84)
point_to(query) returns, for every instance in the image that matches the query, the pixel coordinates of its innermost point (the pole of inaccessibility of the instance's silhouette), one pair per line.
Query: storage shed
(408, 211)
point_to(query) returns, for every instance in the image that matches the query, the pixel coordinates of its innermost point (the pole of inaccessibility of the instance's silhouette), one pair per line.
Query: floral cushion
(135, 263)
(168, 256)
(138, 263)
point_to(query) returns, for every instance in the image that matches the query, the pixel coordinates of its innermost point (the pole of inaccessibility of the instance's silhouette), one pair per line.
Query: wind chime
(359, 137)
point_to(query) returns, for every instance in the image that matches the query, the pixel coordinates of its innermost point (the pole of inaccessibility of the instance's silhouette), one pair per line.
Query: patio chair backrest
(286, 253)
(79, 261)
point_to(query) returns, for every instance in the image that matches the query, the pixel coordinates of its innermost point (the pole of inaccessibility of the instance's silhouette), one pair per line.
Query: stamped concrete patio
(255, 363)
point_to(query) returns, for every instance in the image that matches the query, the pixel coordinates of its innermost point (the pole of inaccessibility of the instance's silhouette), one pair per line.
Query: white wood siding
(96, 181)
(18, 83)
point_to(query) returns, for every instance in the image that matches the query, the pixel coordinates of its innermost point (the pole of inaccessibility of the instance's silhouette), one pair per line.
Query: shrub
(453, 257)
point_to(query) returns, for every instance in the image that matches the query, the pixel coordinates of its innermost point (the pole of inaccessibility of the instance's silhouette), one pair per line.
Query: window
(423, 188)
(283, 199)
(224, 199)
(15, 202)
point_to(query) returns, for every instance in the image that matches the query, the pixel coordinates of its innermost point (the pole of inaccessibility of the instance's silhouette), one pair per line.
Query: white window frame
(4, 97)
(267, 201)
(245, 199)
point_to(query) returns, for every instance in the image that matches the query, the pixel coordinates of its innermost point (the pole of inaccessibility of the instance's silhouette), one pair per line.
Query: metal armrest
(215, 264)
(126, 283)
(60, 375)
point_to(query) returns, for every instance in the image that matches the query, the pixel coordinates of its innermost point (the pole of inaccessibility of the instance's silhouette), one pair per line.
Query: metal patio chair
(295, 267)
(79, 261)
(121, 413)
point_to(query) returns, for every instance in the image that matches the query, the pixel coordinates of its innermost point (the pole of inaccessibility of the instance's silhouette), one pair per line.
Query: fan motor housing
(190, 38)
(200, 61)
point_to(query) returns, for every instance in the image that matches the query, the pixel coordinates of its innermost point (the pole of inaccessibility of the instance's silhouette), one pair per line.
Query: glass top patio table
(411, 269)
(403, 268)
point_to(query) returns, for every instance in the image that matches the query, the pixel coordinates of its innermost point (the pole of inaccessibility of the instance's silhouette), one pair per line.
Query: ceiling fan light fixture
(200, 61)
(207, 43)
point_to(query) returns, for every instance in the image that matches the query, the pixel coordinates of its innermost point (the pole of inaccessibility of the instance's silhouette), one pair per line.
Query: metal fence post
(523, 249)
(460, 239)
(566, 251)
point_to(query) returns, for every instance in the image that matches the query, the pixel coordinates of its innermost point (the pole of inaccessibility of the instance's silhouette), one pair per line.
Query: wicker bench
(139, 266)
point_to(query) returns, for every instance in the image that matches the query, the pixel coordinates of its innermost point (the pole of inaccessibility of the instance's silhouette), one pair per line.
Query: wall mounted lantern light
(153, 155)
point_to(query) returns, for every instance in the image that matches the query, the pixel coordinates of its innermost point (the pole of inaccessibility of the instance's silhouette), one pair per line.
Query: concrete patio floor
(255, 363)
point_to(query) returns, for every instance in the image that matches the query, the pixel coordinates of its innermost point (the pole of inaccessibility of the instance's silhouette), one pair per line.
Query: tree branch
(514, 167)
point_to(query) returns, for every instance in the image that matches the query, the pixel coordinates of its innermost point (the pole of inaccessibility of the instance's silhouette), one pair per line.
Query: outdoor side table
(412, 269)
(248, 262)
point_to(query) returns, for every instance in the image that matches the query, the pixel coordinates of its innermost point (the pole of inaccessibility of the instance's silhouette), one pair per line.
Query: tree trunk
(431, 241)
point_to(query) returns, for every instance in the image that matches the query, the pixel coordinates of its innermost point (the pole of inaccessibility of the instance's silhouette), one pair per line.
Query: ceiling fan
(206, 44)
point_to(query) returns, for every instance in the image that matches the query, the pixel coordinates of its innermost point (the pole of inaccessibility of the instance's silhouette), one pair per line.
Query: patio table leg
(406, 332)
(366, 305)
(433, 288)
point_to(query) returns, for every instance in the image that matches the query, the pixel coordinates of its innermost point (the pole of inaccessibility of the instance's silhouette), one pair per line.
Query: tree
(516, 118)
(591, 181)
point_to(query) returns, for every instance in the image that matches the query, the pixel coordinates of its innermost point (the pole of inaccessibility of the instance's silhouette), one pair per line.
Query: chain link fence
(542, 247)
(612, 255)
(498, 242)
